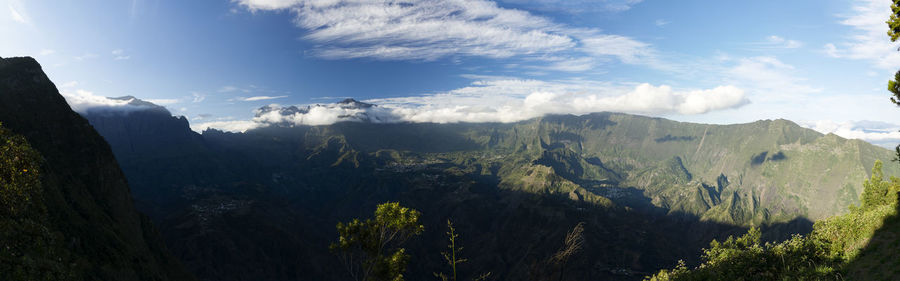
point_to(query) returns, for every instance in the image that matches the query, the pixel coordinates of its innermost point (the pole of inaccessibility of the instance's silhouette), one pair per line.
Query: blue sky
(823, 64)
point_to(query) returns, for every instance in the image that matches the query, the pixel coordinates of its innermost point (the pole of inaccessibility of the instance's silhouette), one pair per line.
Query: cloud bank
(227, 126)
(879, 133)
(502, 100)
(86, 102)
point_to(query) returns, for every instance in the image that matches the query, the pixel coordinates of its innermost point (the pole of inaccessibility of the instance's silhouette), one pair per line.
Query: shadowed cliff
(85, 193)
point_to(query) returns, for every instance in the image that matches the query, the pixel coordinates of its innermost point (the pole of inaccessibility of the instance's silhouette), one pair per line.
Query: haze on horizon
(823, 64)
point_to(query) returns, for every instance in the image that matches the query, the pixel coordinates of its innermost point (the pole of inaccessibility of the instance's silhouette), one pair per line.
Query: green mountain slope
(761, 172)
(860, 245)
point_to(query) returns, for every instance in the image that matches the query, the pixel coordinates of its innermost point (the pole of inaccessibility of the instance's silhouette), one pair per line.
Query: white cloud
(198, 97)
(505, 100)
(119, 54)
(163, 101)
(578, 6)
(791, 44)
(510, 101)
(626, 49)
(227, 89)
(572, 64)
(228, 126)
(773, 42)
(879, 133)
(83, 101)
(831, 50)
(434, 29)
(656, 100)
(662, 22)
(68, 85)
(85, 56)
(777, 41)
(259, 98)
(769, 78)
(203, 116)
(426, 30)
(869, 41)
(17, 12)
(47, 52)
(323, 114)
(269, 4)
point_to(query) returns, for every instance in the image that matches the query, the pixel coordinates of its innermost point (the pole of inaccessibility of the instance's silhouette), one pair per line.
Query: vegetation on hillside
(29, 248)
(840, 247)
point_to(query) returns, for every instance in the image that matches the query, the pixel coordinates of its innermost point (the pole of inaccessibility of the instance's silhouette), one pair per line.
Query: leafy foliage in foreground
(830, 252)
(746, 258)
(29, 250)
(371, 249)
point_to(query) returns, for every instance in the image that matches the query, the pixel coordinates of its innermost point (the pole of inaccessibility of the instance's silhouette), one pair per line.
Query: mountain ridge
(776, 141)
(86, 194)
(667, 179)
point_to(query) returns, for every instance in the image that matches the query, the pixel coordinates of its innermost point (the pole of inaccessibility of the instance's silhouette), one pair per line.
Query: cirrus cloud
(869, 40)
(260, 98)
(433, 29)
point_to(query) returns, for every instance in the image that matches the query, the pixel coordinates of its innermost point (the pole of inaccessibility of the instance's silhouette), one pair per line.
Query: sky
(822, 64)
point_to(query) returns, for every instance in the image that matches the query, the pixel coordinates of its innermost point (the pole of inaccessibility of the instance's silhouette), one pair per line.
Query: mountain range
(263, 204)
(642, 185)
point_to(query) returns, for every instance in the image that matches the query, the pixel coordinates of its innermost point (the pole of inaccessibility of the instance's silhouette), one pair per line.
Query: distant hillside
(761, 172)
(859, 245)
(78, 222)
(243, 205)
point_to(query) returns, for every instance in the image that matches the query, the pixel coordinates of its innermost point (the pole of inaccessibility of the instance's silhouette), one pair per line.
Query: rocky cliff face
(148, 135)
(86, 194)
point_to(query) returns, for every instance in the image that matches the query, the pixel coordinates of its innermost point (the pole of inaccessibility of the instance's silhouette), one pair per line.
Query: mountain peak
(137, 102)
(322, 114)
(28, 61)
(352, 103)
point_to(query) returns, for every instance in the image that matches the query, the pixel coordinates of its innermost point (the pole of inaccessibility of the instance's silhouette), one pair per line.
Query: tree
(454, 259)
(894, 85)
(894, 21)
(370, 250)
(875, 189)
